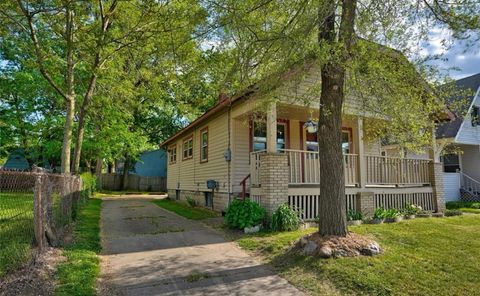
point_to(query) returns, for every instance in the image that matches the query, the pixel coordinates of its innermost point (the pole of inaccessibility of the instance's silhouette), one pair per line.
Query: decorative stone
(253, 229)
(340, 253)
(325, 252)
(310, 248)
(371, 249)
(354, 222)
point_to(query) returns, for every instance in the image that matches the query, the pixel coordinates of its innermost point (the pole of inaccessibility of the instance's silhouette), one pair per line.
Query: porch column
(272, 128)
(435, 170)
(362, 162)
(274, 179)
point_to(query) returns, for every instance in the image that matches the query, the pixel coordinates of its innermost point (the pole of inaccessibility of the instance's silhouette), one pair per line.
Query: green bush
(353, 215)
(285, 219)
(191, 201)
(412, 209)
(244, 213)
(89, 182)
(379, 213)
(391, 213)
(452, 205)
(450, 213)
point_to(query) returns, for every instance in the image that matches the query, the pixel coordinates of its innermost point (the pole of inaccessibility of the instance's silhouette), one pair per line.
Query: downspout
(229, 127)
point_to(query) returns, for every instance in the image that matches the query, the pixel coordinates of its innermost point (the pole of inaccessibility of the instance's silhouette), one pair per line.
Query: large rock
(371, 249)
(325, 252)
(310, 248)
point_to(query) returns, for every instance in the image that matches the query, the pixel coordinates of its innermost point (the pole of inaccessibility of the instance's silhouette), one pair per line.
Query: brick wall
(274, 180)
(436, 177)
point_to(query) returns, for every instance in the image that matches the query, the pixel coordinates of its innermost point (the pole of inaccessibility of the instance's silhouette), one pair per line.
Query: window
(475, 115)
(188, 148)
(172, 153)
(204, 145)
(312, 141)
(451, 163)
(347, 141)
(260, 136)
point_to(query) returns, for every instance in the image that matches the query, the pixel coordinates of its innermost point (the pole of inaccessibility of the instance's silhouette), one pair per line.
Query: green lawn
(78, 275)
(467, 207)
(16, 229)
(435, 256)
(105, 193)
(185, 210)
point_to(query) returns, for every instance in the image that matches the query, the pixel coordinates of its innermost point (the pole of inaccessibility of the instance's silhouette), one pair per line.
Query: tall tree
(342, 39)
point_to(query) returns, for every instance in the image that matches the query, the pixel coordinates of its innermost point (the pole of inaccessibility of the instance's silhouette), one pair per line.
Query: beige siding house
(256, 146)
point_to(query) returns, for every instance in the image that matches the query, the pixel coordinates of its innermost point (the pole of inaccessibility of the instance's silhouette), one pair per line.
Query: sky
(459, 54)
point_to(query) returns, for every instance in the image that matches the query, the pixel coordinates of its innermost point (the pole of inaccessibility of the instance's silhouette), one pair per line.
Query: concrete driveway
(151, 251)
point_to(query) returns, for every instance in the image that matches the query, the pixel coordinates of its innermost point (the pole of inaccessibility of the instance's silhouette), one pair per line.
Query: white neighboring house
(462, 170)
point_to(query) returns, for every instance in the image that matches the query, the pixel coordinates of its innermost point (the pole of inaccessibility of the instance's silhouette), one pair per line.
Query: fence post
(38, 213)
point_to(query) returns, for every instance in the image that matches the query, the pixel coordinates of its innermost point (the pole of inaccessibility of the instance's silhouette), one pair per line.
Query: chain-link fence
(35, 208)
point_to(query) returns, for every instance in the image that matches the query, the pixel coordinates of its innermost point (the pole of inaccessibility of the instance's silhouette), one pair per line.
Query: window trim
(280, 121)
(172, 148)
(186, 140)
(203, 131)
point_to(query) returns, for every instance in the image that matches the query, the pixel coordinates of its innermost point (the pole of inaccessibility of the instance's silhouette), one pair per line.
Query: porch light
(311, 126)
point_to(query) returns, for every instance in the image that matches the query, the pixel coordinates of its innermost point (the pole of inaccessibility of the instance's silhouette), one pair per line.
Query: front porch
(283, 167)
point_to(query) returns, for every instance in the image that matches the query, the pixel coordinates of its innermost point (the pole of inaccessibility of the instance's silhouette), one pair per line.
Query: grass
(105, 193)
(16, 230)
(78, 274)
(467, 207)
(185, 210)
(422, 257)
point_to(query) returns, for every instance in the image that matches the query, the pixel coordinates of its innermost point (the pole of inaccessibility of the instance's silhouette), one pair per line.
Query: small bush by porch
(422, 257)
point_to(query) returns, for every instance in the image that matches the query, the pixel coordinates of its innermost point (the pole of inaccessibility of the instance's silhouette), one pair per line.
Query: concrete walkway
(151, 251)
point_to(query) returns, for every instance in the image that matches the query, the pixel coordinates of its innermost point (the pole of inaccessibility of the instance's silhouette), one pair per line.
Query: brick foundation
(220, 199)
(365, 203)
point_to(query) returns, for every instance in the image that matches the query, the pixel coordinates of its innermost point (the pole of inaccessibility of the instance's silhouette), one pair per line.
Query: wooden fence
(134, 182)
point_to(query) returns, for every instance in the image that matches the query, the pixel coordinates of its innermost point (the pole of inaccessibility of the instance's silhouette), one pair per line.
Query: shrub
(453, 205)
(379, 213)
(391, 213)
(412, 209)
(285, 219)
(450, 213)
(353, 215)
(244, 213)
(191, 201)
(89, 183)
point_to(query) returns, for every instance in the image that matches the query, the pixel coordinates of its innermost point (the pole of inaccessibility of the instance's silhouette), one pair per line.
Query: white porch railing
(304, 168)
(394, 170)
(469, 184)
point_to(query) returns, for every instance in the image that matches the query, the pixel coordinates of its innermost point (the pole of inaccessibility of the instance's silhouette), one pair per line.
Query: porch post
(272, 128)
(362, 162)
(436, 176)
(274, 179)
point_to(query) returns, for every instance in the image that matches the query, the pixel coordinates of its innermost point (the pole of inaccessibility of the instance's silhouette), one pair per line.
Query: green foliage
(78, 275)
(412, 209)
(353, 215)
(462, 204)
(379, 213)
(391, 213)
(191, 201)
(89, 182)
(285, 219)
(450, 213)
(185, 210)
(244, 213)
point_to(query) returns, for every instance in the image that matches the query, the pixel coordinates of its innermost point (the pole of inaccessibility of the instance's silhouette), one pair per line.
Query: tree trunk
(98, 167)
(81, 123)
(67, 137)
(332, 208)
(125, 172)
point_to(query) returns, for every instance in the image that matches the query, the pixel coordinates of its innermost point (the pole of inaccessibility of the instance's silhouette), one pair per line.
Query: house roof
(224, 102)
(450, 129)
